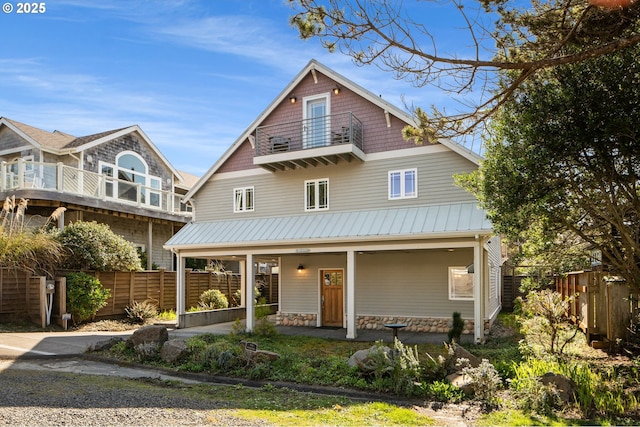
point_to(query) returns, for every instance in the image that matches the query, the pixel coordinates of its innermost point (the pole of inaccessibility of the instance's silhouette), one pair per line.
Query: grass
(275, 406)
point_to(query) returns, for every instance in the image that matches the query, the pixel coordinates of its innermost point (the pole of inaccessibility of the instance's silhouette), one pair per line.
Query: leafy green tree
(564, 160)
(24, 248)
(93, 246)
(527, 38)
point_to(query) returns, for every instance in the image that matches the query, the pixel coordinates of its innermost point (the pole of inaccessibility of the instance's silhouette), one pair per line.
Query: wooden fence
(24, 295)
(602, 306)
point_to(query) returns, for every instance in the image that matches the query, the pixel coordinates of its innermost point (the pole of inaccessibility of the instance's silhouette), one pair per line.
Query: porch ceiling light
(336, 90)
(300, 268)
(293, 99)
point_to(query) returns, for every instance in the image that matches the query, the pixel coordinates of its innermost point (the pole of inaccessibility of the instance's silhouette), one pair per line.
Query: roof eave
(336, 240)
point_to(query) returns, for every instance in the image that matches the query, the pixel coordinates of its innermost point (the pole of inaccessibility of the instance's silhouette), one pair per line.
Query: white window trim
(316, 183)
(147, 188)
(305, 101)
(403, 194)
(452, 295)
(243, 208)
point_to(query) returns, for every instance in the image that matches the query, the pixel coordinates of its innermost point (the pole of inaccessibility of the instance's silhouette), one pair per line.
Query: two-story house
(363, 227)
(118, 177)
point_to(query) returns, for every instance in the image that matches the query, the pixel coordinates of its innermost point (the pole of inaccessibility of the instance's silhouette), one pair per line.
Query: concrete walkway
(20, 344)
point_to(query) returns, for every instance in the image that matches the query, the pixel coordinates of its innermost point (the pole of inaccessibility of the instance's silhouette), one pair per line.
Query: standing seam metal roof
(331, 226)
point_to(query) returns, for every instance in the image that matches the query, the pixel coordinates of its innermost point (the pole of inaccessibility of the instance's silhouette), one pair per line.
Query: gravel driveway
(36, 398)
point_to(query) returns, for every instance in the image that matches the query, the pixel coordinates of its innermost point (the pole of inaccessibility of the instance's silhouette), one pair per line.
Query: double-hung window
(403, 184)
(316, 194)
(243, 199)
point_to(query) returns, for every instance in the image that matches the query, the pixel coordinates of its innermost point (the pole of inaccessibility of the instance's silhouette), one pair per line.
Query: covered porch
(355, 282)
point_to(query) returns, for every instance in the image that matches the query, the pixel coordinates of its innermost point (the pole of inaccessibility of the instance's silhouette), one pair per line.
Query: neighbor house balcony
(59, 182)
(311, 142)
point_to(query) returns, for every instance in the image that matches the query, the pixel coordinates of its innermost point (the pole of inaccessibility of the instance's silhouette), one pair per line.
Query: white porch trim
(351, 295)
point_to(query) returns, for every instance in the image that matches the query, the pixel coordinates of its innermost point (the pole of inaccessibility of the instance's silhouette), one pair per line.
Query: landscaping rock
(462, 381)
(563, 385)
(152, 334)
(366, 360)
(105, 345)
(461, 353)
(174, 350)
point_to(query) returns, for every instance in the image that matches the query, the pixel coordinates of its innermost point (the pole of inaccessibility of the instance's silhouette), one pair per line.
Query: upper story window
(403, 184)
(243, 199)
(316, 194)
(129, 180)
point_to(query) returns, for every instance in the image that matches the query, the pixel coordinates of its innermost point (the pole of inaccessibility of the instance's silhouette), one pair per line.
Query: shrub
(85, 296)
(93, 246)
(443, 391)
(485, 381)
(546, 325)
(213, 299)
(456, 329)
(140, 312)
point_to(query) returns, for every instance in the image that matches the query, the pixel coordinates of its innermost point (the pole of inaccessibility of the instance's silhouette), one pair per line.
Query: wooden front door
(331, 283)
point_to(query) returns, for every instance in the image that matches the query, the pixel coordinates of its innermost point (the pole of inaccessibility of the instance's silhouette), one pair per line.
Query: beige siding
(495, 277)
(352, 186)
(413, 284)
(300, 291)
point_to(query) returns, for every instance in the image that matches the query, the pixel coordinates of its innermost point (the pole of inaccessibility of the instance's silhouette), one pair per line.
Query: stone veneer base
(414, 324)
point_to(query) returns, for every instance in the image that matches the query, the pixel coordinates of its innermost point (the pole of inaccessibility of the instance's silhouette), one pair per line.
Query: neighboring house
(363, 227)
(117, 177)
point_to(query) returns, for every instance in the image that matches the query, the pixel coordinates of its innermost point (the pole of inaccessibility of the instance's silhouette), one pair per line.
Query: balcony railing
(28, 175)
(343, 128)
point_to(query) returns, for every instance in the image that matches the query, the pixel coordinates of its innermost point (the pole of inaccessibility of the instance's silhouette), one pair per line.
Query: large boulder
(104, 345)
(460, 352)
(564, 386)
(174, 350)
(148, 340)
(367, 360)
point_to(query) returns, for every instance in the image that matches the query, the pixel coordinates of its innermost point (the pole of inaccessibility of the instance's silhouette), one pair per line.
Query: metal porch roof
(406, 222)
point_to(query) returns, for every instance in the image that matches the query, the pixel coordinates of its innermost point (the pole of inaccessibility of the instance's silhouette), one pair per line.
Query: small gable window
(403, 184)
(243, 199)
(316, 194)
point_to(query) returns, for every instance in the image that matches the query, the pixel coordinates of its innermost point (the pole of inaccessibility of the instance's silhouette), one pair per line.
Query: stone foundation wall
(414, 324)
(296, 319)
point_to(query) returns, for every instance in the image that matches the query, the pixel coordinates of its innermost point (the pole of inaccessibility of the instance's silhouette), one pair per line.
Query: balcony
(308, 143)
(51, 180)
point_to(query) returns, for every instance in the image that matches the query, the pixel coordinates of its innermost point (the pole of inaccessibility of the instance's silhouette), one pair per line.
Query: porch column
(351, 295)
(249, 300)
(478, 273)
(180, 290)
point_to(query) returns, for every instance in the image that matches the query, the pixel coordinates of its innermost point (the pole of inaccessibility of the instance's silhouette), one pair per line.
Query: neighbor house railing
(298, 135)
(23, 174)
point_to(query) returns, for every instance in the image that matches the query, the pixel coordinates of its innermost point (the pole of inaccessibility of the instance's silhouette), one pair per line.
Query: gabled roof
(38, 137)
(464, 219)
(61, 143)
(314, 66)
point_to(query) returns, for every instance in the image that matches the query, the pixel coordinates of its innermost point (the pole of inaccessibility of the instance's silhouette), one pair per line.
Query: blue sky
(193, 74)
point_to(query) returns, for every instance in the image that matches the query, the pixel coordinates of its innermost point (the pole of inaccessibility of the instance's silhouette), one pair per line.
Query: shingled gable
(316, 67)
(60, 143)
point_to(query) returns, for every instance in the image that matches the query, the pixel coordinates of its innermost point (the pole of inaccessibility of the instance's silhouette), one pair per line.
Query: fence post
(61, 292)
(132, 282)
(187, 286)
(161, 296)
(42, 300)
